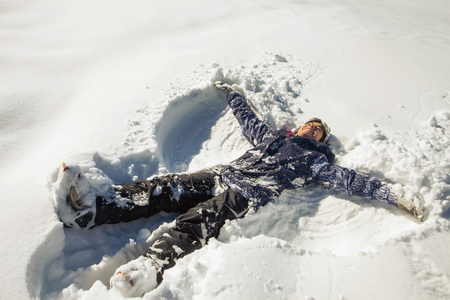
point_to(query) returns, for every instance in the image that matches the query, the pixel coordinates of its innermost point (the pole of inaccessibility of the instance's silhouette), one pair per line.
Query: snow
(125, 90)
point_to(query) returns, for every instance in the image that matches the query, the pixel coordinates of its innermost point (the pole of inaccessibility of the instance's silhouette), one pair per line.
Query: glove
(409, 201)
(223, 87)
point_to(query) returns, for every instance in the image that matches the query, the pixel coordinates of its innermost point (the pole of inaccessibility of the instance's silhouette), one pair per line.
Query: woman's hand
(223, 87)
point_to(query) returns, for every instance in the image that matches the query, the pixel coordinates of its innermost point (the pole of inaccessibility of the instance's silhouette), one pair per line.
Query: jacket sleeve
(252, 127)
(348, 181)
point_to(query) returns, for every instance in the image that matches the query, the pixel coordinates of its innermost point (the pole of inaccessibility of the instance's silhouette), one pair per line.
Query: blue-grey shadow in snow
(186, 124)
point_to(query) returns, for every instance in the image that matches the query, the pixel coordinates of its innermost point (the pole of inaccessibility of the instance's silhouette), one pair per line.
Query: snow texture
(125, 91)
(134, 278)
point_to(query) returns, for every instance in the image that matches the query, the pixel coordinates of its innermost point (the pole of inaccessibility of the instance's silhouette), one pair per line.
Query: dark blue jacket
(277, 162)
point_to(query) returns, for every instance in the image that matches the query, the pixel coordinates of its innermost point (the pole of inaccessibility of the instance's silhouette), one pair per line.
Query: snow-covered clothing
(194, 228)
(278, 162)
(169, 193)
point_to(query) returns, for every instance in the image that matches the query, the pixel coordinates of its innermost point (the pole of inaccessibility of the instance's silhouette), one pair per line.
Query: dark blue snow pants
(169, 193)
(194, 228)
(203, 214)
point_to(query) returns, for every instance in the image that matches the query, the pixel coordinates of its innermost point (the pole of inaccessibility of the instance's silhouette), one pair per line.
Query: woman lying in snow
(279, 160)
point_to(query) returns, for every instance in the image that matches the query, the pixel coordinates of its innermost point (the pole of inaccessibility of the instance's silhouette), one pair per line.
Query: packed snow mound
(417, 159)
(310, 235)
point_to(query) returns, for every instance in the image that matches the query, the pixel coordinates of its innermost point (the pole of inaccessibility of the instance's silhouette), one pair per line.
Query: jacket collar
(309, 144)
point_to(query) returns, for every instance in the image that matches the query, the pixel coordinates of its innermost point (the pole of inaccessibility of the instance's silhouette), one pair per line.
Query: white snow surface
(124, 90)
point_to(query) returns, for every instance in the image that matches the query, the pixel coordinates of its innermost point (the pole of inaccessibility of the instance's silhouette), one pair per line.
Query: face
(312, 130)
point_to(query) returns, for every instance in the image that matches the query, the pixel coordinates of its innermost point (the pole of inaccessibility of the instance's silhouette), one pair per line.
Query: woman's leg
(170, 193)
(194, 228)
